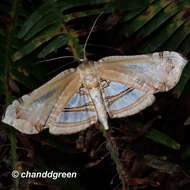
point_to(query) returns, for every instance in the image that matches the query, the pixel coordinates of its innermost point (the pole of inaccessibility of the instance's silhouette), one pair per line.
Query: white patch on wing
(126, 100)
(79, 108)
(140, 66)
(77, 100)
(114, 88)
(118, 96)
(68, 117)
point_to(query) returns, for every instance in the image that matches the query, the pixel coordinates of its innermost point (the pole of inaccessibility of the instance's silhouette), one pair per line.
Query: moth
(117, 86)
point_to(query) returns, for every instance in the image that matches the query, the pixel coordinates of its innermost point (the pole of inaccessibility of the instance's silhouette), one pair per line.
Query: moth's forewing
(30, 113)
(160, 71)
(144, 74)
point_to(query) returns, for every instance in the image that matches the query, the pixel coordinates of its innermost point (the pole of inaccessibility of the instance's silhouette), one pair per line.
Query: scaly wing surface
(35, 111)
(129, 82)
(73, 112)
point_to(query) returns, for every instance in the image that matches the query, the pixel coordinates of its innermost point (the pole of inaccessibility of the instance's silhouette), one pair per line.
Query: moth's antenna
(55, 70)
(84, 48)
(62, 57)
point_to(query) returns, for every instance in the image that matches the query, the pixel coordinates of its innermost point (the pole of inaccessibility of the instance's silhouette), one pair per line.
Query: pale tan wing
(73, 112)
(129, 82)
(30, 113)
(63, 105)
(158, 71)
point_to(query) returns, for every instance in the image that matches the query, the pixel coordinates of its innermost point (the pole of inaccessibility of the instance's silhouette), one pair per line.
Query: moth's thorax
(88, 74)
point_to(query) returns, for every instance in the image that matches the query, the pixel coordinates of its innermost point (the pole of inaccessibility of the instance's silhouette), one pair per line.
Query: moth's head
(87, 70)
(86, 64)
(83, 61)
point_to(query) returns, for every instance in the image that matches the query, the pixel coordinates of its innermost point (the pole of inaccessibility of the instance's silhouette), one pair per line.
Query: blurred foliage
(31, 31)
(161, 164)
(162, 138)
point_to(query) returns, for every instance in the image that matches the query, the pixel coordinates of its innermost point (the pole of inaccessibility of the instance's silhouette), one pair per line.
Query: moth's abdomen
(98, 101)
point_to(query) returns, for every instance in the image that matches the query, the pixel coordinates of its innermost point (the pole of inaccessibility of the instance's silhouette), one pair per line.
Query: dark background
(153, 146)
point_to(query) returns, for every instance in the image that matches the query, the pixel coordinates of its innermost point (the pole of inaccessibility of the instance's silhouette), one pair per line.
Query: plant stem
(112, 148)
(7, 63)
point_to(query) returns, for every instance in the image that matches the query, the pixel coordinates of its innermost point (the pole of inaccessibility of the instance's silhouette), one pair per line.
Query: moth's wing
(122, 100)
(129, 82)
(30, 113)
(74, 111)
(158, 71)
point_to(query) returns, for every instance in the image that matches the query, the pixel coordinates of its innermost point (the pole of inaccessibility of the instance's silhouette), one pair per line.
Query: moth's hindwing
(73, 114)
(122, 100)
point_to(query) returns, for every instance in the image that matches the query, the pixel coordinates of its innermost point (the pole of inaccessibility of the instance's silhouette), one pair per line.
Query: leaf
(2, 86)
(75, 46)
(49, 8)
(134, 5)
(53, 45)
(80, 14)
(187, 122)
(46, 21)
(130, 15)
(35, 17)
(178, 37)
(162, 138)
(36, 42)
(23, 79)
(184, 47)
(183, 80)
(166, 13)
(186, 153)
(161, 164)
(143, 18)
(164, 34)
